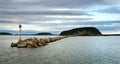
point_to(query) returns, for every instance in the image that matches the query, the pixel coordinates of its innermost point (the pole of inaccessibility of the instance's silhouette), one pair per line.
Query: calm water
(73, 50)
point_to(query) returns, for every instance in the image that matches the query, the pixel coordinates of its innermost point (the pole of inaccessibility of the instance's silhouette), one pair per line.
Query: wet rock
(14, 45)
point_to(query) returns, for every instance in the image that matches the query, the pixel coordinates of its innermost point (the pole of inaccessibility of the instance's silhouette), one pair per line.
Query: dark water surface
(72, 50)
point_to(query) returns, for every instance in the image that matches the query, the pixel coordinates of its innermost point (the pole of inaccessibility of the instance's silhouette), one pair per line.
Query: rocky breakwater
(35, 42)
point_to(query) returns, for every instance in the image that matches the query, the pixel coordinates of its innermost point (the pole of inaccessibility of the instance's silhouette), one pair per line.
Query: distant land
(44, 33)
(111, 34)
(84, 31)
(48, 33)
(41, 33)
(5, 33)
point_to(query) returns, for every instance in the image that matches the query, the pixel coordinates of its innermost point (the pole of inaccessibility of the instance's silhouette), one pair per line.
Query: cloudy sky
(57, 15)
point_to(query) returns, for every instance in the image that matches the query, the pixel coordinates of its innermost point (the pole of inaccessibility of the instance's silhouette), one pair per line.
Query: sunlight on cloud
(67, 16)
(105, 17)
(32, 27)
(111, 32)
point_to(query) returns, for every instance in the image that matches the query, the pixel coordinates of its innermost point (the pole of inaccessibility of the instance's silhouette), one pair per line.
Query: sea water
(71, 50)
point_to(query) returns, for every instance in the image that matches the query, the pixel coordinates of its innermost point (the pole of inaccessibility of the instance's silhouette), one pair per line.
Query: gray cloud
(65, 3)
(74, 23)
(58, 27)
(55, 3)
(45, 13)
(6, 21)
(31, 19)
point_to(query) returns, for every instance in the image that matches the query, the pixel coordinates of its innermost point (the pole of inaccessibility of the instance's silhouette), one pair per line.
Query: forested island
(84, 31)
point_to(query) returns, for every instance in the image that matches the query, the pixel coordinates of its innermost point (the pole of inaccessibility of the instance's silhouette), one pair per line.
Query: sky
(55, 16)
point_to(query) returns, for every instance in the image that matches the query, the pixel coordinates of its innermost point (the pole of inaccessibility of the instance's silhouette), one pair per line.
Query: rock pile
(35, 42)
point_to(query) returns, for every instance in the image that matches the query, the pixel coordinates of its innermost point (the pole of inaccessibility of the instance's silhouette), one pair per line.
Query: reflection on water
(73, 50)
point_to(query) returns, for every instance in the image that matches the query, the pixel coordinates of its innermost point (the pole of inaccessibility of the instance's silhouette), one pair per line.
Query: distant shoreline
(58, 35)
(7, 33)
(111, 34)
(43, 33)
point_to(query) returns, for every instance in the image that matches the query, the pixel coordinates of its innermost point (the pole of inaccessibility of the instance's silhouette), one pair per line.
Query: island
(84, 31)
(5, 33)
(44, 33)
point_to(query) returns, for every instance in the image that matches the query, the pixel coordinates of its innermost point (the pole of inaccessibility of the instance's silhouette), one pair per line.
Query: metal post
(20, 26)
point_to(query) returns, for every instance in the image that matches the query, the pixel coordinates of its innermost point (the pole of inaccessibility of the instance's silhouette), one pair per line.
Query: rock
(14, 45)
(43, 42)
(34, 42)
(47, 40)
(52, 39)
(34, 45)
(29, 42)
(29, 46)
(21, 45)
(40, 44)
(85, 31)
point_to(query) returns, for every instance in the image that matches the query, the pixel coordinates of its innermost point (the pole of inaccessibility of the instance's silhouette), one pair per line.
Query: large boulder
(84, 31)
